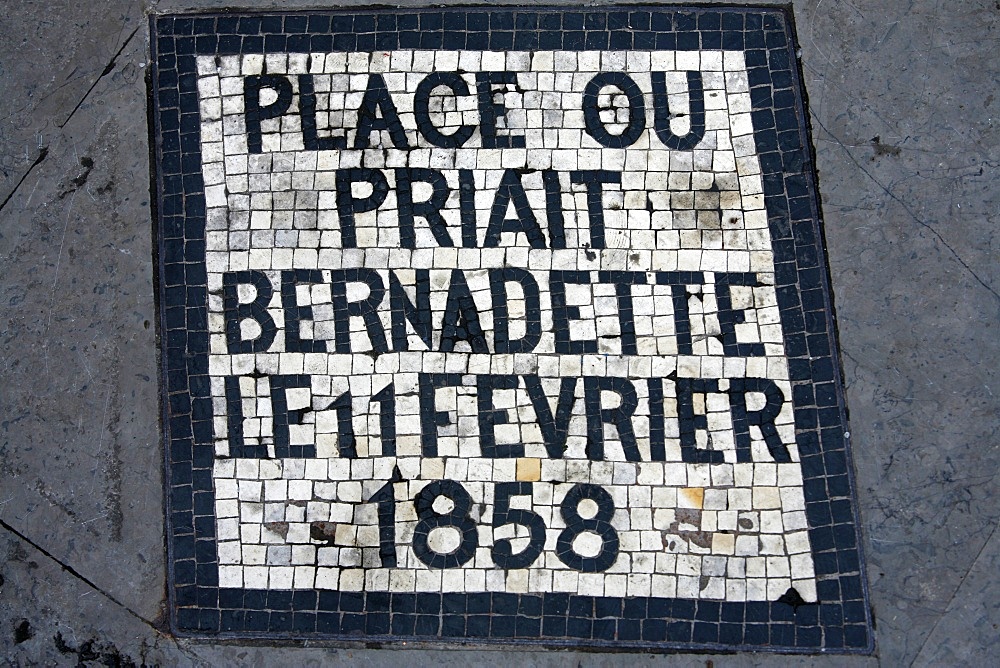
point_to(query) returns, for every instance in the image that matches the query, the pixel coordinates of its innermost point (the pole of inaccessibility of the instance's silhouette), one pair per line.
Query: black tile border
(199, 607)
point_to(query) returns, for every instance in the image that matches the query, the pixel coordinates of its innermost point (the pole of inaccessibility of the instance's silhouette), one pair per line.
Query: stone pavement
(901, 106)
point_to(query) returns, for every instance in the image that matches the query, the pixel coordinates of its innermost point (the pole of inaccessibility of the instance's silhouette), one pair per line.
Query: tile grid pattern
(838, 622)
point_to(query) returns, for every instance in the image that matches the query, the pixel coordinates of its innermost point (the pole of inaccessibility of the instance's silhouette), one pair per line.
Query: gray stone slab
(80, 455)
(911, 241)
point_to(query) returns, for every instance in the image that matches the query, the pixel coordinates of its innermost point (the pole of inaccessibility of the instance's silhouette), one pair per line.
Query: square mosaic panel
(499, 326)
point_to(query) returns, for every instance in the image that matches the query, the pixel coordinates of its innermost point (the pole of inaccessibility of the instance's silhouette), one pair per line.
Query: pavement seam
(906, 207)
(72, 571)
(961, 582)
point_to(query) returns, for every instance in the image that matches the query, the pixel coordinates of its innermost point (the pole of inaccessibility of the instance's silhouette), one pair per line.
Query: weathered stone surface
(910, 220)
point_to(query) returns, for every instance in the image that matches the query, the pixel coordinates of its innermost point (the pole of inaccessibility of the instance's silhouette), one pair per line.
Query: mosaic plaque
(499, 326)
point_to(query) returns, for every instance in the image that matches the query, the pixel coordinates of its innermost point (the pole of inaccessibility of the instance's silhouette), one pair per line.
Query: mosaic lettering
(489, 320)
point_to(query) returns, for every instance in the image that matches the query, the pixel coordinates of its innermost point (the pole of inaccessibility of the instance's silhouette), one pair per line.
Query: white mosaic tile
(496, 343)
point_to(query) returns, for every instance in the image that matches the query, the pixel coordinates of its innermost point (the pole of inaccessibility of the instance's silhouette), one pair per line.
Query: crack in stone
(44, 151)
(107, 70)
(42, 154)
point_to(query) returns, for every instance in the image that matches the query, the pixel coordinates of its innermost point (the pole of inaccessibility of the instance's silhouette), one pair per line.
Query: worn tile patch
(499, 325)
